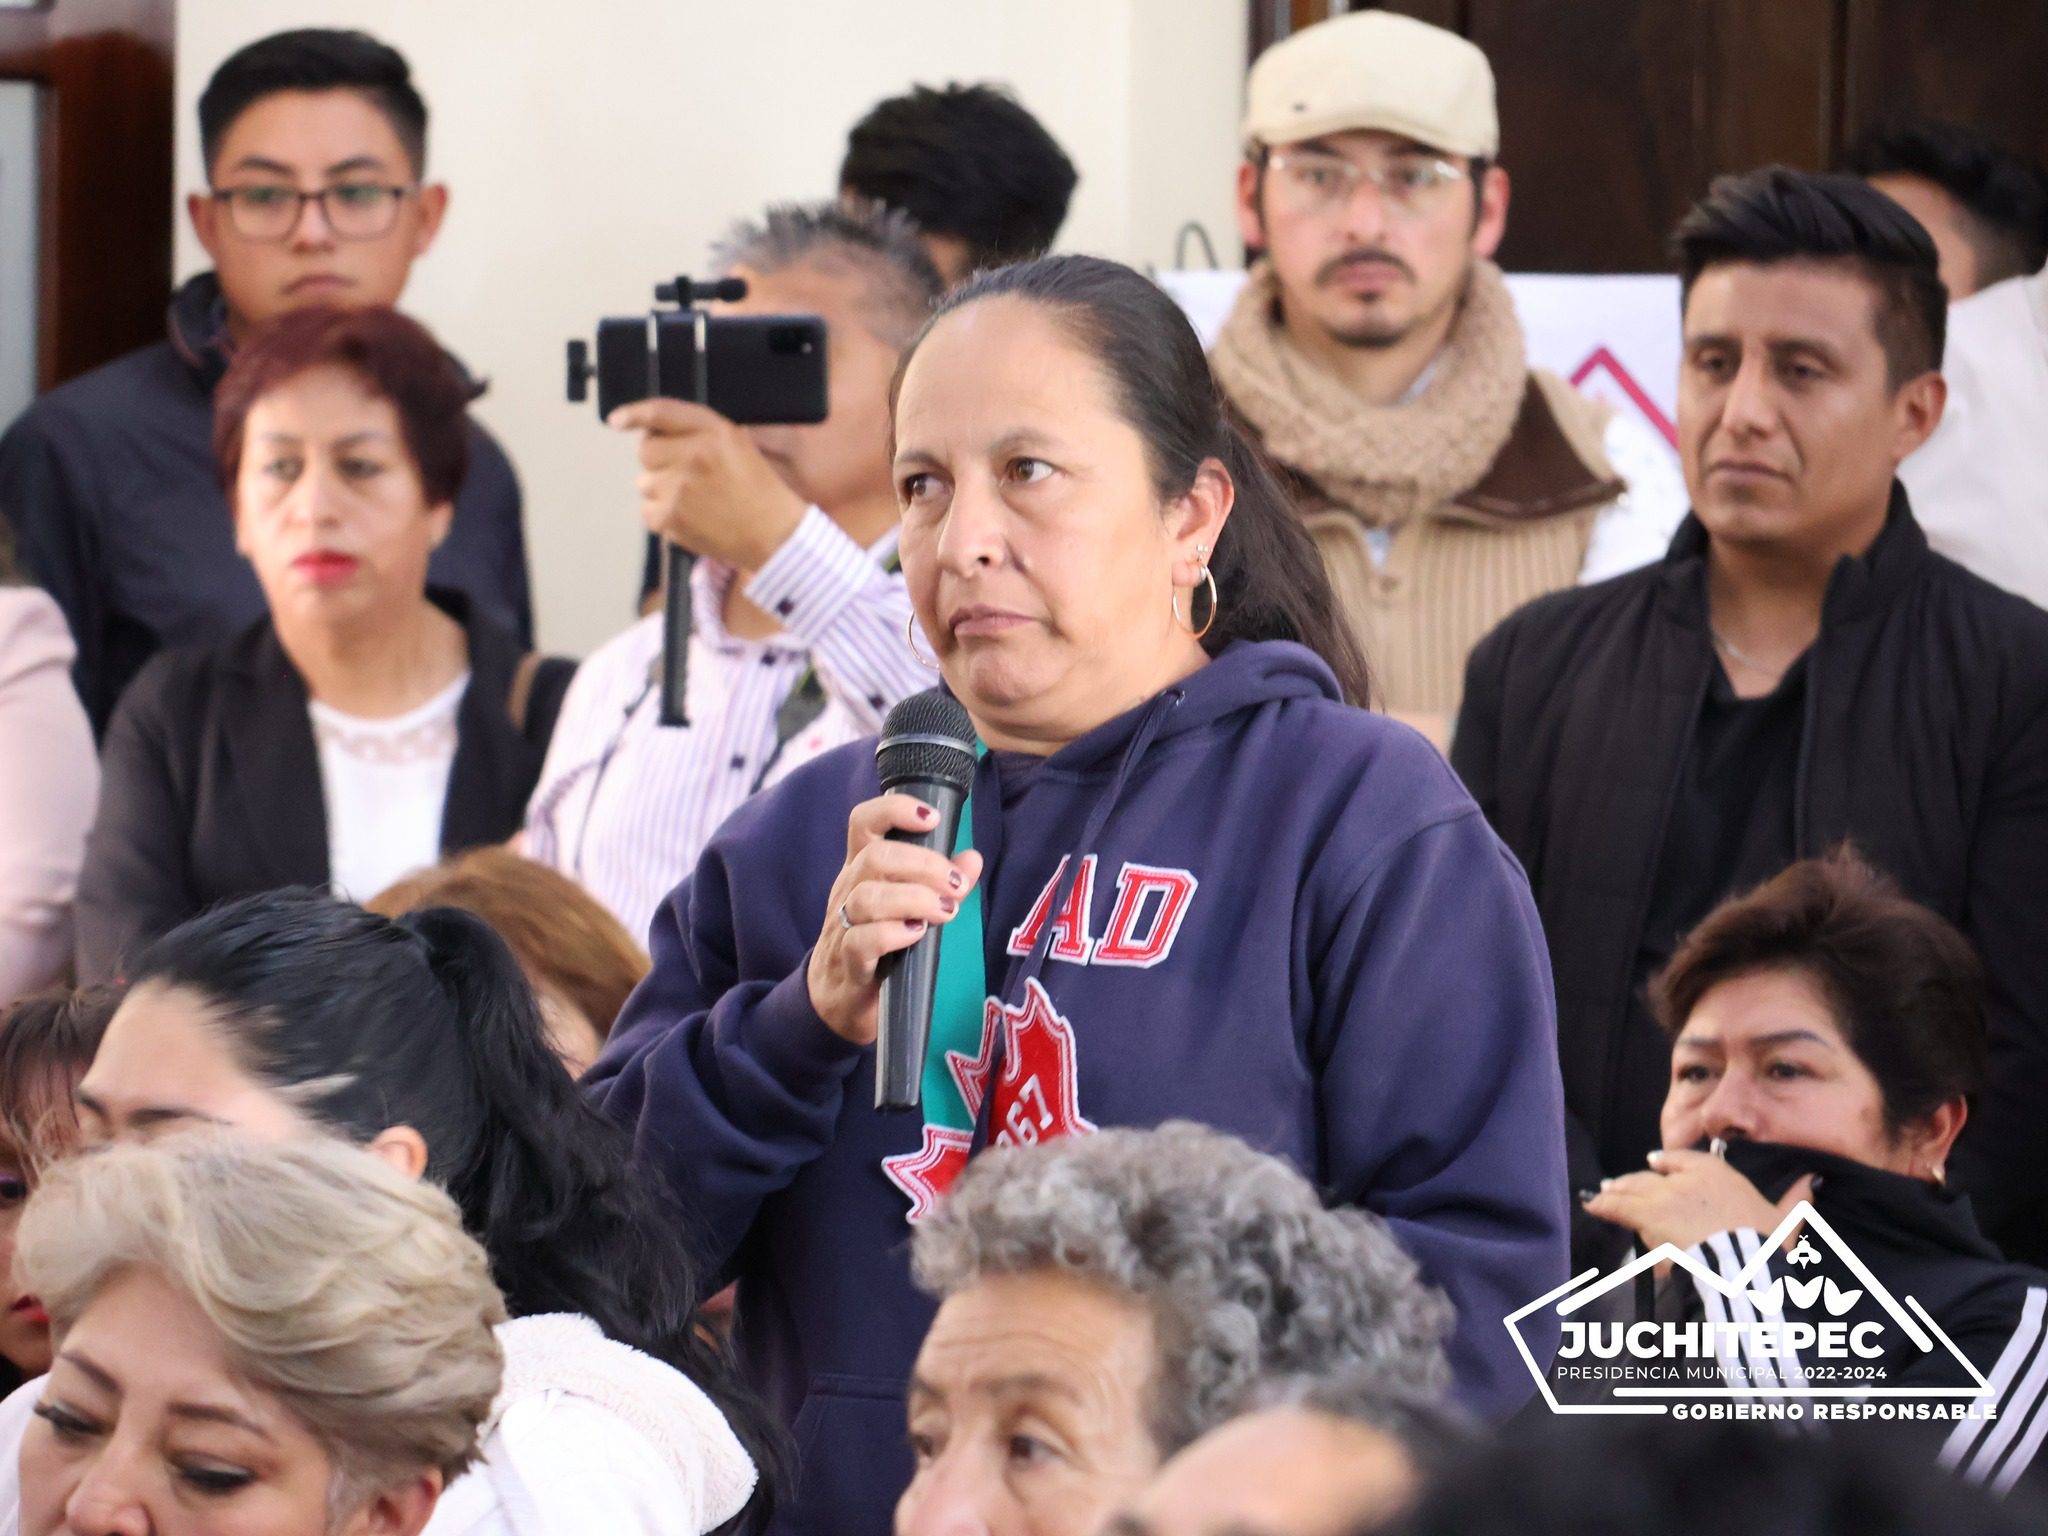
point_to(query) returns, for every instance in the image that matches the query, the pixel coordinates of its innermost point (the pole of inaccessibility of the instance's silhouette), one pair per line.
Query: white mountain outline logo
(1583, 1289)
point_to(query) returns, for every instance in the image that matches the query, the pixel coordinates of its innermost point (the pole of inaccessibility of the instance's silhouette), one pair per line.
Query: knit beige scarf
(1386, 463)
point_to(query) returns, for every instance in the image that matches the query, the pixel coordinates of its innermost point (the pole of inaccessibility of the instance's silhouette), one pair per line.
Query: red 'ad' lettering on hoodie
(1175, 889)
(1141, 929)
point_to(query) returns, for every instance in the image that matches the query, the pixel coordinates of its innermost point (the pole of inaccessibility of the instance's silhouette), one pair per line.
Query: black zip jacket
(1925, 741)
(109, 484)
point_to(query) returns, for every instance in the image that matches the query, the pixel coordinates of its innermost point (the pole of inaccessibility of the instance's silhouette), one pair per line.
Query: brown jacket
(1454, 572)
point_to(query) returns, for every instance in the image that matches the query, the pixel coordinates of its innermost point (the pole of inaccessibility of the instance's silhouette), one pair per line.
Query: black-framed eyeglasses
(354, 210)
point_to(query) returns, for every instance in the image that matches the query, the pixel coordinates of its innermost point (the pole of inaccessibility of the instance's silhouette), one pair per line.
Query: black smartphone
(763, 369)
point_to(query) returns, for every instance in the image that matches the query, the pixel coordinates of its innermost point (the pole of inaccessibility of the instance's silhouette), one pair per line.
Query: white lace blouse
(385, 785)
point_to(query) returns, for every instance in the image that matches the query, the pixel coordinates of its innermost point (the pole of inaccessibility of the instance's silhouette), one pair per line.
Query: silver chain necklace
(1729, 649)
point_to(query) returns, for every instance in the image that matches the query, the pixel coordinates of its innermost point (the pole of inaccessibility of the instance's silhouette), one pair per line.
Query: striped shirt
(624, 805)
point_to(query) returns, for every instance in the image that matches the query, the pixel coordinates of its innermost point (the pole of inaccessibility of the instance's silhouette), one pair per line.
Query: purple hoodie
(1292, 923)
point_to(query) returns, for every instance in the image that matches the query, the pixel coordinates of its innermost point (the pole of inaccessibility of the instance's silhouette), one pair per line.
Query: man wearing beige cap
(1376, 355)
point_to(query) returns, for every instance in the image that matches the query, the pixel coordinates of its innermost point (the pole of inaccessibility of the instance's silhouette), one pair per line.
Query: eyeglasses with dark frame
(354, 210)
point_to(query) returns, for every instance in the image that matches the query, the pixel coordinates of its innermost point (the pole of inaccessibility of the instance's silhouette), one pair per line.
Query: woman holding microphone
(1192, 882)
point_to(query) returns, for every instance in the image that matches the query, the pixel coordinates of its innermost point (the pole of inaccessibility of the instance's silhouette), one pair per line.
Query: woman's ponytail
(519, 1169)
(1271, 583)
(571, 1222)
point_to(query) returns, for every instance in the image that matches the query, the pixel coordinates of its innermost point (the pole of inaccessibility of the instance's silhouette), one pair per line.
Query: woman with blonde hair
(252, 1340)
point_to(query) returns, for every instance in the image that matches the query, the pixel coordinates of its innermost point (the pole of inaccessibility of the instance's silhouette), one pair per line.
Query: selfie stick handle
(675, 611)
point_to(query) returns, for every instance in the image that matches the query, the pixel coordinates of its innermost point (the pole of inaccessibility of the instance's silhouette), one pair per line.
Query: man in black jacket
(315, 146)
(1799, 670)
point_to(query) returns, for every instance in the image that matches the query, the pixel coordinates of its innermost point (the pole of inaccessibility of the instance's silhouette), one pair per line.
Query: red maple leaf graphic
(929, 1172)
(1039, 1095)
(970, 1073)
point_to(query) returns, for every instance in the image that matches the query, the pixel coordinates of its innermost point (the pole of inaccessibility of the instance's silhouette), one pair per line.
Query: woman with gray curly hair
(1106, 1299)
(252, 1340)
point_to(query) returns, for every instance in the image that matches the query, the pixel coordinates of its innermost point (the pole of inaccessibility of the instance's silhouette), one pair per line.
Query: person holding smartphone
(798, 608)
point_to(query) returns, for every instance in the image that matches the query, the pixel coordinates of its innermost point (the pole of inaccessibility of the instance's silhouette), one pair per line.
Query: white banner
(1617, 338)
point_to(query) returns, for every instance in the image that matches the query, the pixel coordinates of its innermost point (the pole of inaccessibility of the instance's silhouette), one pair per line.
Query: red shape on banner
(1602, 358)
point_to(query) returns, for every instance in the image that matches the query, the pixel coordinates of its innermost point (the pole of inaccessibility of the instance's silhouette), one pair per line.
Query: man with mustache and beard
(1376, 355)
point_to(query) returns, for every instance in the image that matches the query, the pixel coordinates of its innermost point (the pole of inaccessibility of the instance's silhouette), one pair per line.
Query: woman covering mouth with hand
(1827, 1037)
(367, 725)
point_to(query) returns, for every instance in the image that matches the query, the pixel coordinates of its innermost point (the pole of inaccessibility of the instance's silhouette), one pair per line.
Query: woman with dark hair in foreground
(292, 1014)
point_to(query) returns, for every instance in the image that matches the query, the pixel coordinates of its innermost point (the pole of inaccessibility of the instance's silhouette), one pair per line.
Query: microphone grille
(927, 736)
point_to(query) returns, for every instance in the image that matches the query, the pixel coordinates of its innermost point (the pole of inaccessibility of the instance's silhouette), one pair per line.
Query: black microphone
(926, 751)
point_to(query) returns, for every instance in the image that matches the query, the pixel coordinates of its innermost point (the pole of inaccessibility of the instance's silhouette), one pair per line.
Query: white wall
(595, 146)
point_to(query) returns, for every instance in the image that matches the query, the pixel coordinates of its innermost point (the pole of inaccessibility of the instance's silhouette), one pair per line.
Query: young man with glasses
(1376, 355)
(315, 147)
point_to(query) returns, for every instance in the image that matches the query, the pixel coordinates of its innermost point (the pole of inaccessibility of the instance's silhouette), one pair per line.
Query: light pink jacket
(49, 786)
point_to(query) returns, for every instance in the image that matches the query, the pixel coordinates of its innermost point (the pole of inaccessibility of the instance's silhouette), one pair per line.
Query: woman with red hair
(368, 724)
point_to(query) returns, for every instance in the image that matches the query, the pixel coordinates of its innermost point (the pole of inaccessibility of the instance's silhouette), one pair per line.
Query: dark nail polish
(915, 925)
(954, 879)
(949, 907)
(925, 813)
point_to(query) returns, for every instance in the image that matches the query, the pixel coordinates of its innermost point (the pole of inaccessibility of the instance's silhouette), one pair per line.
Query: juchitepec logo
(1790, 1326)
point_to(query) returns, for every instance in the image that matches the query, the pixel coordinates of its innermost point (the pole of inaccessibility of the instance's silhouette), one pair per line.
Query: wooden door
(1615, 114)
(103, 69)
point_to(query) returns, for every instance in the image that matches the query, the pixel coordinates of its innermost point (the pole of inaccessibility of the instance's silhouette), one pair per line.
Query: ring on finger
(845, 918)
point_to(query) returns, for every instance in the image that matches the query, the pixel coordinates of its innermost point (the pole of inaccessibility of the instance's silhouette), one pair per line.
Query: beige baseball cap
(1374, 69)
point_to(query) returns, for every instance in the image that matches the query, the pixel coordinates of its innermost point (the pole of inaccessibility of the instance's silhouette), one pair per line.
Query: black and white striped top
(1907, 1258)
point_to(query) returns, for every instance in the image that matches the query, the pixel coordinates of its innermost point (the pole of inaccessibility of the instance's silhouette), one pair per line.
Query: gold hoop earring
(910, 639)
(1173, 601)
